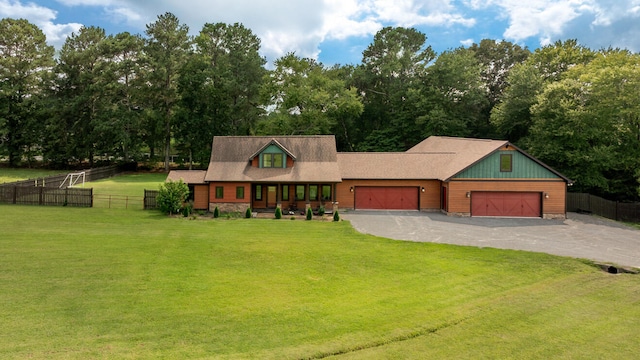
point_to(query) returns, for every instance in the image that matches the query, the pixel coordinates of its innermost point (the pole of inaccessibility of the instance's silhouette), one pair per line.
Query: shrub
(278, 213)
(171, 196)
(309, 214)
(247, 214)
(336, 216)
(321, 210)
(216, 212)
(187, 209)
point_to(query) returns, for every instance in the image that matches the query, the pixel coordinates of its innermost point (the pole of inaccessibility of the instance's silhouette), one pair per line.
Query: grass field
(104, 283)
(124, 191)
(13, 174)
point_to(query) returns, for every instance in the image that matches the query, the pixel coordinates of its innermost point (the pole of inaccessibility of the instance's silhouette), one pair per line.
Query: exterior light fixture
(468, 194)
(351, 189)
(546, 195)
(422, 189)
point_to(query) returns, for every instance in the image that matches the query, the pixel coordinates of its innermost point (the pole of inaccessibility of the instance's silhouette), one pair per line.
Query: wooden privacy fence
(150, 199)
(620, 211)
(23, 195)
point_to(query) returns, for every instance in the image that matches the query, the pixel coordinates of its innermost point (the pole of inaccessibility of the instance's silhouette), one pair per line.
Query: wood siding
(459, 203)
(229, 193)
(201, 197)
(522, 168)
(429, 199)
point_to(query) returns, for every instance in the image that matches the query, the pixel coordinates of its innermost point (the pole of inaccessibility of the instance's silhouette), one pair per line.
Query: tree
(219, 88)
(496, 59)
(80, 102)
(171, 196)
(304, 98)
(167, 49)
(512, 116)
(394, 64)
(120, 127)
(236, 70)
(587, 125)
(25, 66)
(544, 66)
(454, 96)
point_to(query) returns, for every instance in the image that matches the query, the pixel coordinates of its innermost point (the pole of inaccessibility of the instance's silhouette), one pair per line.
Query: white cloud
(467, 42)
(302, 25)
(42, 17)
(550, 20)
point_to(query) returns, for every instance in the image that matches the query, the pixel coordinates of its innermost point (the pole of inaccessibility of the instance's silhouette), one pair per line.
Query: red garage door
(516, 204)
(386, 198)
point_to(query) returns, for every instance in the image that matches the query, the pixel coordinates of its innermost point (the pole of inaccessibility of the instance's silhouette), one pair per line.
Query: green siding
(274, 149)
(522, 166)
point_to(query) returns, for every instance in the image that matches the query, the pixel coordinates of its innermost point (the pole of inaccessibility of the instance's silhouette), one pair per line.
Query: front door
(272, 196)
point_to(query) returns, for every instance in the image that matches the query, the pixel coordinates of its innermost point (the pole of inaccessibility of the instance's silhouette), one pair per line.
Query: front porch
(293, 198)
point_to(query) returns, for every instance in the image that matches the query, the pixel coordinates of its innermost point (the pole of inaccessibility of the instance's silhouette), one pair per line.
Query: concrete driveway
(580, 236)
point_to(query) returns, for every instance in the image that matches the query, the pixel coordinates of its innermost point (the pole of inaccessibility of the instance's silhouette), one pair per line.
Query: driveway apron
(579, 236)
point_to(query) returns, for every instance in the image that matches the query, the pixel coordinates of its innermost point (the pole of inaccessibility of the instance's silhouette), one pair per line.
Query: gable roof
(315, 156)
(272, 142)
(437, 157)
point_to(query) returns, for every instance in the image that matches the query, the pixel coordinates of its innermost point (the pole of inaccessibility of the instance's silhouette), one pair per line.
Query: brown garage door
(516, 204)
(386, 198)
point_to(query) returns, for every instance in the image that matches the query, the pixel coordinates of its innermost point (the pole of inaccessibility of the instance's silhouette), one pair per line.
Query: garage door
(516, 204)
(386, 198)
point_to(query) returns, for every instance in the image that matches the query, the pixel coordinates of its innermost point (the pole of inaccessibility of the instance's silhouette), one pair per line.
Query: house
(458, 176)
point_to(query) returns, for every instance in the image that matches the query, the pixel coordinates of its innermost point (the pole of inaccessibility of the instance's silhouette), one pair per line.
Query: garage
(386, 198)
(506, 204)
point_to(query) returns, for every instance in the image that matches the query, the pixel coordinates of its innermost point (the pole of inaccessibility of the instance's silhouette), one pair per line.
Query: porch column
(307, 202)
(279, 196)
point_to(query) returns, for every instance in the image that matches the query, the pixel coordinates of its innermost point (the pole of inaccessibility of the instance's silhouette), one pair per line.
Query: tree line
(167, 93)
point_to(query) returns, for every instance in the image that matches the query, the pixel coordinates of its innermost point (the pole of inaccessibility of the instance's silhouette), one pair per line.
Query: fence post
(91, 195)
(40, 196)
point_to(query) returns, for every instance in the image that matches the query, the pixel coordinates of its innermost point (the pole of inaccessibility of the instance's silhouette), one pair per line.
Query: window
(299, 192)
(219, 192)
(277, 160)
(258, 192)
(267, 160)
(326, 192)
(285, 192)
(192, 193)
(272, 160)
(240, 192)
(313, 192)
(506, 163)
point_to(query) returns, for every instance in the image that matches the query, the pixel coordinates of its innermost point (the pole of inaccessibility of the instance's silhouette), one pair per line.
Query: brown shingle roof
(316, 159)
(390, 166)
(467, 152)
(437, 157)
(187, 176)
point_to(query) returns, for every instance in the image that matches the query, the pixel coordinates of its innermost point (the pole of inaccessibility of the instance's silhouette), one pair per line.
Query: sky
(337, 31)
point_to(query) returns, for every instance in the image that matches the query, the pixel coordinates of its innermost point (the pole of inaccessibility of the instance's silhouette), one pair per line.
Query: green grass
(104, 283)
(124, 191)
(128, 184)
(17, 174)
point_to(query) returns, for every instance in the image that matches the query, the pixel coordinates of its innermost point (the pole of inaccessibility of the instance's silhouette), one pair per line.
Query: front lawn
(104, 283)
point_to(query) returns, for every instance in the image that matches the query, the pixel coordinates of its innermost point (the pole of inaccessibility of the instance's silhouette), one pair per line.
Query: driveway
(580, 236)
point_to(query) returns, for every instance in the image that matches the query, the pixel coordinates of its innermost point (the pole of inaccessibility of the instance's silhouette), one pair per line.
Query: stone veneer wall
(229, 207)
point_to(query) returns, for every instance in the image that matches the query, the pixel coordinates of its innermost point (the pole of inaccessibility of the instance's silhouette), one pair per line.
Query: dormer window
(272, 160)
(272, 155)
